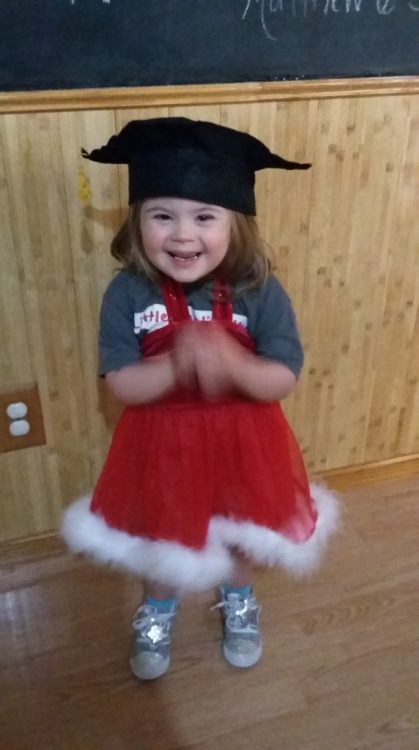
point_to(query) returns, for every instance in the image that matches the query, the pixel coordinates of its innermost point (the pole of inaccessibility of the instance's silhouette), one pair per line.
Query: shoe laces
(241, 614)
(152, 627)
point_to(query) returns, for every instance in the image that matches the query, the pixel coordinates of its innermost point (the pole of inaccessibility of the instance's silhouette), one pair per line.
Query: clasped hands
(206, 356)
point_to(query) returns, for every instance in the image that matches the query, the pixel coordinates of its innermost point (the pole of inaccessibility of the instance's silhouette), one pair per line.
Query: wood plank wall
(345, 240)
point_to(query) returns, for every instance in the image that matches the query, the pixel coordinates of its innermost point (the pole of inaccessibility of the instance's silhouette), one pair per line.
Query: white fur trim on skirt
(186, 569)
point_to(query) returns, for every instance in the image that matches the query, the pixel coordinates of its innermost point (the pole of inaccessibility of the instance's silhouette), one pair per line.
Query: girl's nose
(183, 231)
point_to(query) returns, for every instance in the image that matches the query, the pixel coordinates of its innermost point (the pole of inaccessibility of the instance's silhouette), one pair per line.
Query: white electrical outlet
(17, 410)
(19, 427)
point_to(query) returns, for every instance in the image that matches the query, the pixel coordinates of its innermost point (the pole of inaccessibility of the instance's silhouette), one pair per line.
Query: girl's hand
(217, 357)
(183, 357)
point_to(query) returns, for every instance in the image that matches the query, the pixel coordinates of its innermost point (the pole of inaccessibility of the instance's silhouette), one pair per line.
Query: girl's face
(184, 239)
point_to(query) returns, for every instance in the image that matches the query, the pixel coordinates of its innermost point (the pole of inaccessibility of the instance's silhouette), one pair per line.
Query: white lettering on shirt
(155, 316)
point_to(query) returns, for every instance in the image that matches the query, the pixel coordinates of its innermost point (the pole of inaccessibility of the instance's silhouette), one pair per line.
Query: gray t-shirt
(133, 306)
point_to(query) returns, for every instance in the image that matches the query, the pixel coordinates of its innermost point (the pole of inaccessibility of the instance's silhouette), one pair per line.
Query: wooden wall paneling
(26, 502)
(15, 362)
(376, 208)
(394, 398)
(315, 279)
(314, 276)
(334, 355)
(353, 202)
(94, 214)
(406, 234)
(36, 178)
(383, 343)
(358, 302)
(385, 141)
(376, 192)
(24, 495)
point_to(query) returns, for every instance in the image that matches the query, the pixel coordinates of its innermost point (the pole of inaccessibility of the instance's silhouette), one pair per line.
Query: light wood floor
(340, 669)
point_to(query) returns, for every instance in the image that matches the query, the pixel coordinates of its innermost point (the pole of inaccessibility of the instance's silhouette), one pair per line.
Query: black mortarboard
(181, 158)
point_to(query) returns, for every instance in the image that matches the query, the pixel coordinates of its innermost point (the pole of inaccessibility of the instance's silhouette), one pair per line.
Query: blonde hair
(245, 266)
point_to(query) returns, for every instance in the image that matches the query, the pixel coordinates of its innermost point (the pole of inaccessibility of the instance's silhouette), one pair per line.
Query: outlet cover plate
(36, 436)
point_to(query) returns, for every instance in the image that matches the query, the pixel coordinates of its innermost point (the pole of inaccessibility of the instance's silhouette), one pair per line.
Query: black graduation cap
(181, 158)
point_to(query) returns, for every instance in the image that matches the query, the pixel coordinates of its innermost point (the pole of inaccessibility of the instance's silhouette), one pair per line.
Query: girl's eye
(161, 217)
(205, 217)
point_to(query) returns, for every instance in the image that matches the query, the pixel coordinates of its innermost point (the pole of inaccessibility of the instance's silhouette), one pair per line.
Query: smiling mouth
(185, 256)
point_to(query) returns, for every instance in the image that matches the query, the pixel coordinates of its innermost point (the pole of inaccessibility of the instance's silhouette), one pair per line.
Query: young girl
(203, 477)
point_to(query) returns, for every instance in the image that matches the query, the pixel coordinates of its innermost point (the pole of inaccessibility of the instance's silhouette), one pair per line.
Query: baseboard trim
(353, 477)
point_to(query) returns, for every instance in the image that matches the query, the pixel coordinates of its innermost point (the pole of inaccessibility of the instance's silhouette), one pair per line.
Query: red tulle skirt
(172, 467)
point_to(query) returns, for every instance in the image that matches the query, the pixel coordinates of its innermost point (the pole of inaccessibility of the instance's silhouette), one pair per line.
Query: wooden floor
(340, 669)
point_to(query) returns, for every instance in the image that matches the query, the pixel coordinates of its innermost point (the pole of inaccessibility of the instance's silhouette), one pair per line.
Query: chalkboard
(63, 44)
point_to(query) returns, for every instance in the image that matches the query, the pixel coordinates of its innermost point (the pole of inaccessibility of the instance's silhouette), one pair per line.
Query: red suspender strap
(175, 300)
(177, 306)
(222, 309)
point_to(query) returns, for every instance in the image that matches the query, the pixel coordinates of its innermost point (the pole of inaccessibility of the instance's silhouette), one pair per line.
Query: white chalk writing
(270, 10)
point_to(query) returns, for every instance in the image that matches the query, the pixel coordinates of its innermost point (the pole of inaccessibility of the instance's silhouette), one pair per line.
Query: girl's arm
(143, 382)
(262, 379)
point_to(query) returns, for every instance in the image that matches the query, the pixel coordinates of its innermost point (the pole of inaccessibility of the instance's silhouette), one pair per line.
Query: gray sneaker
(242, 645)
(150, 655)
